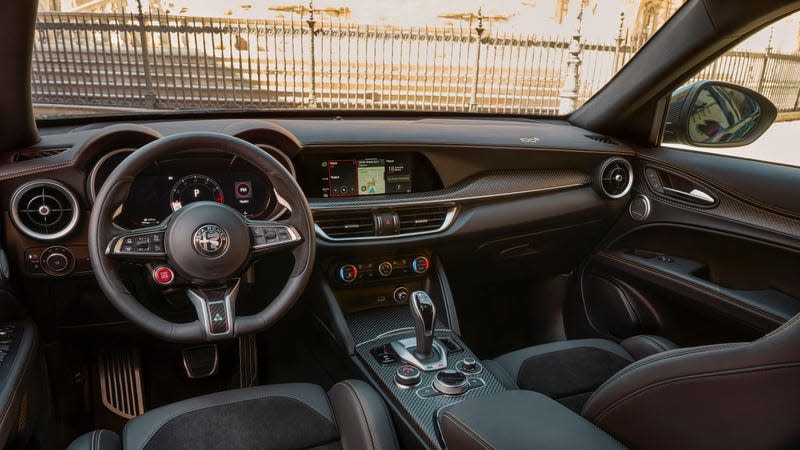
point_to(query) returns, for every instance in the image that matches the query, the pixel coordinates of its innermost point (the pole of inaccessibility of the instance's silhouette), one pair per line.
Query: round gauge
(194, 188)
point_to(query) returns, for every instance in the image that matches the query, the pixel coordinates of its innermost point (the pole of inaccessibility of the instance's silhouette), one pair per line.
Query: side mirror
(717, 114)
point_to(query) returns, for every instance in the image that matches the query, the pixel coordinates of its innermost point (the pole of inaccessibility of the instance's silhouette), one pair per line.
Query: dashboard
(369, 183)
(382, 193)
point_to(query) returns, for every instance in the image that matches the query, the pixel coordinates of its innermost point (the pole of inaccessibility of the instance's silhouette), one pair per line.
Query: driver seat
(350, 416)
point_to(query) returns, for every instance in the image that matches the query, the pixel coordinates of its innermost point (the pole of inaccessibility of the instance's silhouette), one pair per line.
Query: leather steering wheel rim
(114, 192)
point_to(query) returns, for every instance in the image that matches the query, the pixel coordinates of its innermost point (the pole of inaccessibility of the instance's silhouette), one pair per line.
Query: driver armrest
(519, 420)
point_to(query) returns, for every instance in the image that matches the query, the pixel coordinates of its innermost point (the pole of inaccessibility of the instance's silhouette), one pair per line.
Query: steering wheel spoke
(215, 309)
(141, 245)
(271, 236)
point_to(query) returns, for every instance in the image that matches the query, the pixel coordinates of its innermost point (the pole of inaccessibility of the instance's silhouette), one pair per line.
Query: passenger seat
(570, 371)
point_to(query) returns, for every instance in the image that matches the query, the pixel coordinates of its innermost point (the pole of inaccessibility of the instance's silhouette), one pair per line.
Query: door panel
(718, 267)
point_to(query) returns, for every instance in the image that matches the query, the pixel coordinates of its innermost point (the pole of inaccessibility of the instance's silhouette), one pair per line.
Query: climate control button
(420, 264)
(348, 273)
(385, 269)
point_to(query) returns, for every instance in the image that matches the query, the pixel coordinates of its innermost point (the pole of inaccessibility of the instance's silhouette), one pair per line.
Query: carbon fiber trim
(369, 324)
(479, 187)
(729, 208)
(421, 412)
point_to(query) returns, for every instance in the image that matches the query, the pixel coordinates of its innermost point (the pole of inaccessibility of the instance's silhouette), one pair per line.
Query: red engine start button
(163, 275)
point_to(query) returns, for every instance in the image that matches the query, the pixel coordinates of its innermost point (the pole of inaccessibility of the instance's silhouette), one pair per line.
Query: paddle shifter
(423, 312)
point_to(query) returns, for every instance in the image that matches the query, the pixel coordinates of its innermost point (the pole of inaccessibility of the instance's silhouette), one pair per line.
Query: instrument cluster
(172, 184)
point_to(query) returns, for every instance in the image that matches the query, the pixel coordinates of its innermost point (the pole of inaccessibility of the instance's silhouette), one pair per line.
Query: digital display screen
(153, 197)
(365, 176)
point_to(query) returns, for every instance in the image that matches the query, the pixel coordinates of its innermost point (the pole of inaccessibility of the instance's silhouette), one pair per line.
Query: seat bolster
(362, 417)
(513, 361)
(140, 430)
(97, 440)
(644, 345)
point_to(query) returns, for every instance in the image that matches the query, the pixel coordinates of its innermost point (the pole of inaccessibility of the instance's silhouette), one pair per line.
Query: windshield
(543, 57)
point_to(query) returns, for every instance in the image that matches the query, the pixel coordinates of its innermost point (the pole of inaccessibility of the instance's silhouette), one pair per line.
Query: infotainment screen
(365, 176)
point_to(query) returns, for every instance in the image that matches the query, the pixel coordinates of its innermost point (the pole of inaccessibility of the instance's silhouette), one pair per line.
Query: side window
(768, 63)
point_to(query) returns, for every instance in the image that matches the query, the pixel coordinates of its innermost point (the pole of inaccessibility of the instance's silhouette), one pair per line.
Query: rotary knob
(57, 261)
(469, 365)
(385, 269)
(407, 376)
(401, 294)
(450, 382)
(348, 273)
(420, 264)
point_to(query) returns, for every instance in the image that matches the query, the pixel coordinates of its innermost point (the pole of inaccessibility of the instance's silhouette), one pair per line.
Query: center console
(405, 340)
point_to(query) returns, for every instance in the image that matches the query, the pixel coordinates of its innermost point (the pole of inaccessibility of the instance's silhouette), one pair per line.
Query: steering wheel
(207, 244)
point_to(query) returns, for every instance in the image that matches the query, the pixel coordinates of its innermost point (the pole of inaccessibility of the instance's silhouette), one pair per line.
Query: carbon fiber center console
(416, 394)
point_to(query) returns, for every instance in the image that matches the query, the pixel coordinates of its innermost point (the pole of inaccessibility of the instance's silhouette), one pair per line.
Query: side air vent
(347, 225)
(421, 219)
(44, 209)
(602, 139)
(614, 178)
(36, 154)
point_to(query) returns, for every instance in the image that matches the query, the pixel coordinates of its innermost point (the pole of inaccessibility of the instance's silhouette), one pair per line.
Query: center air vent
(45, 210)
(614, 178)
(347, 225)
(421, 219)
(409, 221)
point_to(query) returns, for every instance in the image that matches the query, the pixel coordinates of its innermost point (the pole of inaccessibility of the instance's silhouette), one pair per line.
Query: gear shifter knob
(423, 312)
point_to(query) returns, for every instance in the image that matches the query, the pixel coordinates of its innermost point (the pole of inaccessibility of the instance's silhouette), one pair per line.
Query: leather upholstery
(644, 345)
(741, 395)
(364, 422)
(97, 440)
(519, 420)
(19, 395)
(352, 415)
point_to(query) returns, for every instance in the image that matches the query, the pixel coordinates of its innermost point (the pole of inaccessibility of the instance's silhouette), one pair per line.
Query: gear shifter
(423, 312)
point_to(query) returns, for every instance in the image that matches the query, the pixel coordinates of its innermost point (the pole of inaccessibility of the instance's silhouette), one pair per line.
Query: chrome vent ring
(614, 178)
(44, 210)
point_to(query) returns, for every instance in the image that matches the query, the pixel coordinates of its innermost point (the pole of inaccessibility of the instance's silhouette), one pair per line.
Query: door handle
(695, 195)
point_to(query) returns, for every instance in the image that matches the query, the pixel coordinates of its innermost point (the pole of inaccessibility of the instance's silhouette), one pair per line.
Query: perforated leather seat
(351, 416)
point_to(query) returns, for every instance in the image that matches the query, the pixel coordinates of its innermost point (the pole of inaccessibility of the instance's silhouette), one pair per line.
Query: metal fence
(154, 60)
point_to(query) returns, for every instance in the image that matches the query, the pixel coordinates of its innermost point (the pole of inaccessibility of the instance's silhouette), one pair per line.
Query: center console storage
(519, 420)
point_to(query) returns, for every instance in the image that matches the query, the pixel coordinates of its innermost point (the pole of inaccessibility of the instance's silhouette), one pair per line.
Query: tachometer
(194, 188)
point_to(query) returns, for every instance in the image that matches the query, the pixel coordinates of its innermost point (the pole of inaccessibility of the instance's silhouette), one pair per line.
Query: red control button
(163, 275)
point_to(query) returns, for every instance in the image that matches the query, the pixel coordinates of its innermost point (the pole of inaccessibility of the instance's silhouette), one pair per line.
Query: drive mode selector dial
(407, 376)
(450, 382)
